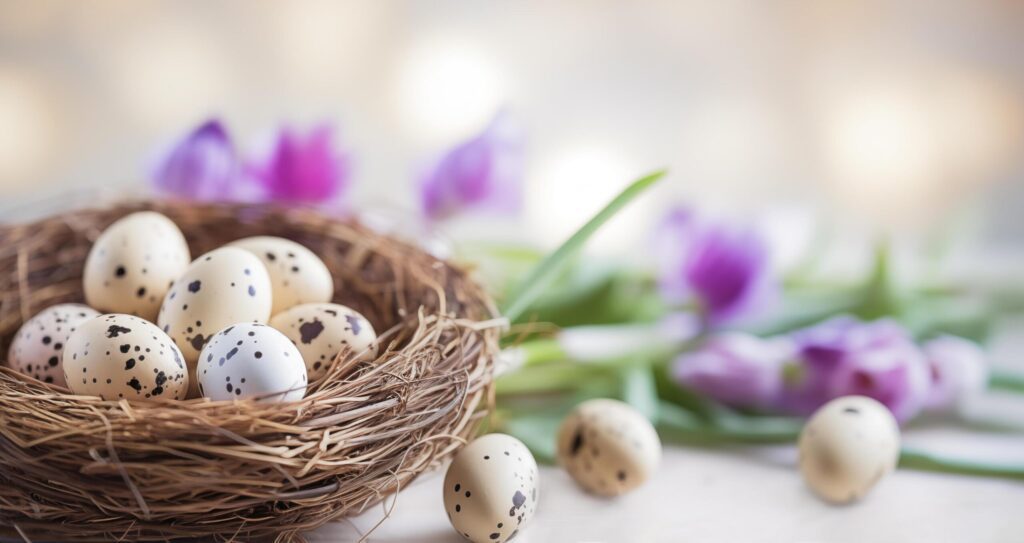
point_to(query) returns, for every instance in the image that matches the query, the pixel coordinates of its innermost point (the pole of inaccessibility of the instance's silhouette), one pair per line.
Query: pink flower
(958, 369)
(737, 369)
(482, 174)
(723, 269)
(844, 356)
(204, 166)
(303, 167)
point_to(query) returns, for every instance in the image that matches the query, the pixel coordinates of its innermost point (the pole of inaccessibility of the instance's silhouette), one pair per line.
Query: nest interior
(79, 468)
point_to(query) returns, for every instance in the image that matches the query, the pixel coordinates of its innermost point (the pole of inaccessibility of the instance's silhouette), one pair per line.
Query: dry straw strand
(76, 468)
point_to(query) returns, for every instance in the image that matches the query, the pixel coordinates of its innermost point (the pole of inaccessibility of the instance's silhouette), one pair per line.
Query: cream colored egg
(322, 331)
(123, 356)
(133, 263)
(38, 347)
(251, 360)
(223, 287)
(608, 447)
(297, 275)
(491, 489)
(847, 447)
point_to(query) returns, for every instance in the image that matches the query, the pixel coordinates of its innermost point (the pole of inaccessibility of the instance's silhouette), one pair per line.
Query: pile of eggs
(250, 320)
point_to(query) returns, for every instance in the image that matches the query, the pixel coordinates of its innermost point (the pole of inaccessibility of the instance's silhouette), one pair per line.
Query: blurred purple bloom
(203, 166)
(482, 174)
(958, 370)
(725, 270)
(844, 356)
(736, 369)
(303, 167)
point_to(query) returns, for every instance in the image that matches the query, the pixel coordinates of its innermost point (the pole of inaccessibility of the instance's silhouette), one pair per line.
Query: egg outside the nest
(848, 446)
(608, 447)
(121, 356)
(251, 361)
(491, 489)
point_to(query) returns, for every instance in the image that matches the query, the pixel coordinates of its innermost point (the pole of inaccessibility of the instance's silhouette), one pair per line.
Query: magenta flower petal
(844, 356)
(736, 369)
(303, 167)
(725, 270)
(958, 369)
(203, 166)
(483, 174)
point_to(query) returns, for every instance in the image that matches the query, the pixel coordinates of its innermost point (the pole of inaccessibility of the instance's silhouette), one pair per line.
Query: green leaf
(537, 281)
(1010, 382)
(592, 293)
(537, 432)
(921, 460)
(639, 391)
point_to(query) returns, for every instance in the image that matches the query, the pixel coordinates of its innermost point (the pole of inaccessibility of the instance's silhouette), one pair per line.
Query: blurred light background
(858, 117)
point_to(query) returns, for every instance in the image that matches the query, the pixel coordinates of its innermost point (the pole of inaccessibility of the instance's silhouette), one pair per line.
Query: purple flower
(483, 174)
(958, 370)
(736, 369)
(204, 166)
(724, 269)
(303, 167)
(845, 356)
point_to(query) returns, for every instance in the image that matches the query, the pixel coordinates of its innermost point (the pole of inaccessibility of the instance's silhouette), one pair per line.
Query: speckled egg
(847, 447)
(608, 447)
(123, 356)
(37, 348)
(133, 263)
(251, 360)
(491, 489)
(220, 288)
(297, 275)
(322, 331)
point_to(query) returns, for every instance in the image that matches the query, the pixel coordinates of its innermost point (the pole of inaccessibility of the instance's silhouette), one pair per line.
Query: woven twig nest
(79, 468)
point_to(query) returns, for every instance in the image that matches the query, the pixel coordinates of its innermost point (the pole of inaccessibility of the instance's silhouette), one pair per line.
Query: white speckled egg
(297, 275)
(37, 348)
(321, 331)
(123, 356)
(491, 489)
(847, 446)
(220, 288)
(608, 447)
(133, 263)
(251, 360)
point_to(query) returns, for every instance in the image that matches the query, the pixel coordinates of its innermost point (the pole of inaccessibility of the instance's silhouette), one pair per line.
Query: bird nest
(80, 468)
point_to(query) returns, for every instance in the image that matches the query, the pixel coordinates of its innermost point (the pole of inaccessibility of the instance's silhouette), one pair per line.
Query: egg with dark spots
(132, 263)
(847, 447)
(37, 348)
(323, 332)
(608, 447)
(251, 361)
(491, 489)
(297, 275)
(220, 288)
(140, 362)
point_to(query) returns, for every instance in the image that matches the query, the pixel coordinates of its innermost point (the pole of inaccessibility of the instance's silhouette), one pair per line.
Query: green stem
(547, 270)
(1010, 382)
(920, 460)
(539, 351)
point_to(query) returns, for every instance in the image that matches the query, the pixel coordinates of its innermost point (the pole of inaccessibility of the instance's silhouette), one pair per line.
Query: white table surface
(755, 494)
(737, 495)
